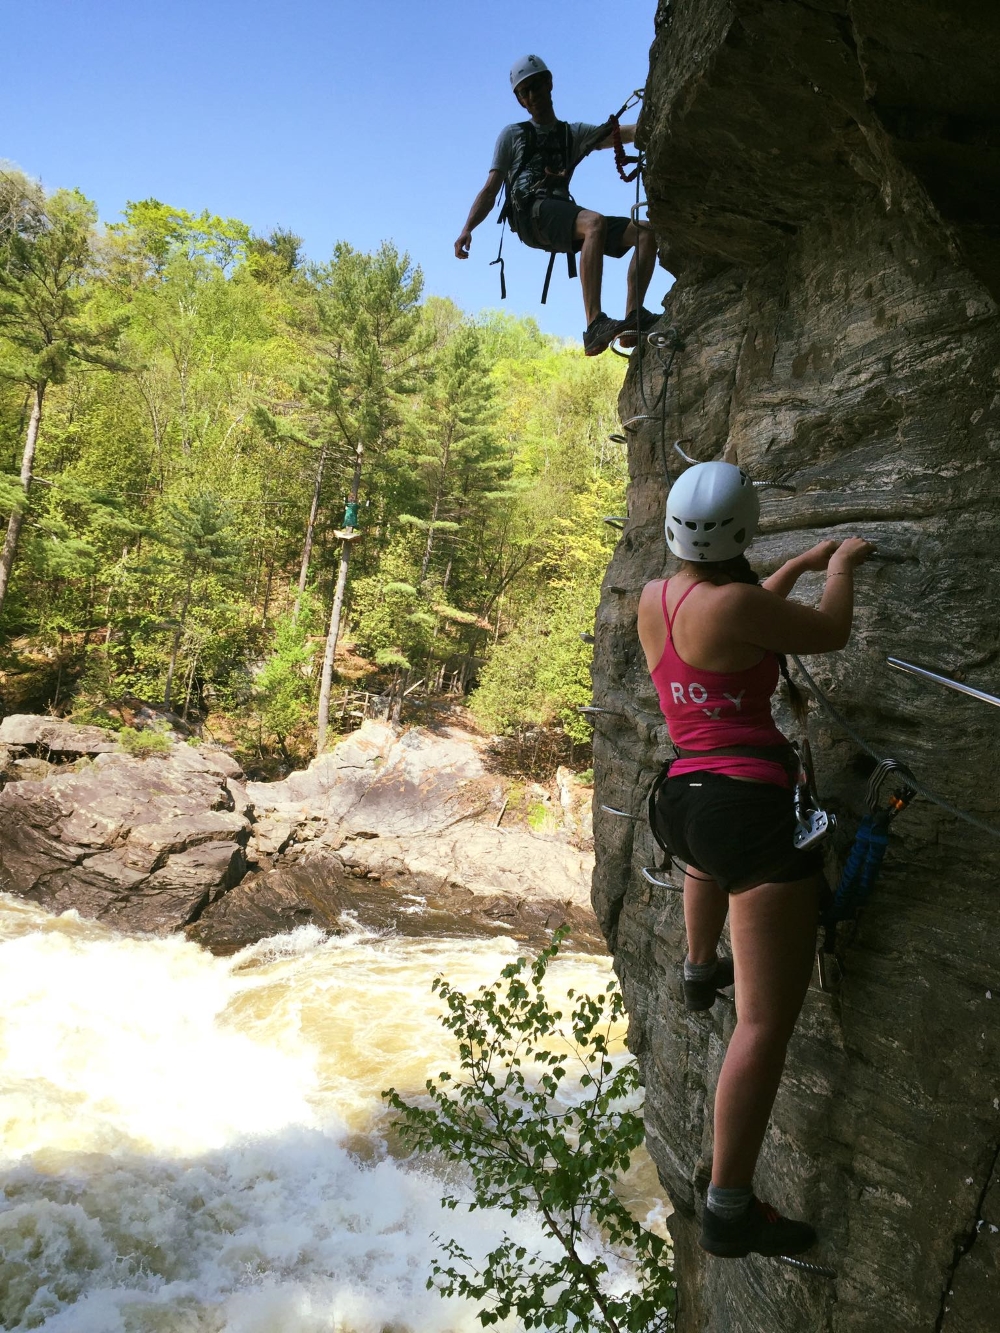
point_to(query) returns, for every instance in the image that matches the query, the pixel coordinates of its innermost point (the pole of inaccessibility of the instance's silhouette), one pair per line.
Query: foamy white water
(192, 1144)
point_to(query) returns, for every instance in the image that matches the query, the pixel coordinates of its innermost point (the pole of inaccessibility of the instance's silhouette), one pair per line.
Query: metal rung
(631, 426)
(636, 209)
(650, 878)
(585, 637)
(618, 439)
(817, 1270)
(616, 520)
(622, 814)
(671, 338)
(587, 709)
(925, 673)
(775, 486)
(617, 350)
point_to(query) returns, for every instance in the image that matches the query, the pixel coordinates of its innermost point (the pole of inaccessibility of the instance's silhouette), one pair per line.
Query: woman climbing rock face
(712, 637)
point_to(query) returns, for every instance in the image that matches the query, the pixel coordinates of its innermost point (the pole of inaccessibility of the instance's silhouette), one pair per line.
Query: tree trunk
(267, 588)
(331, 648)
(175, 648)
(436, 510)
(430, 537)
(27, 473)
(310, 530)
(323, 718)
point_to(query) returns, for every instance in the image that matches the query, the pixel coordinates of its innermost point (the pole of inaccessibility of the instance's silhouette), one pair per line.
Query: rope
(863, 745)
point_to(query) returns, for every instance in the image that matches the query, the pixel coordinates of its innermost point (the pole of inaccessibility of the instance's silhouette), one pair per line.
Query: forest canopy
(220, 459)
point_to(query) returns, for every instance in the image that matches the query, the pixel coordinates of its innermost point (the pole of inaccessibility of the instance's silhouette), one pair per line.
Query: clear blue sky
(340, 121)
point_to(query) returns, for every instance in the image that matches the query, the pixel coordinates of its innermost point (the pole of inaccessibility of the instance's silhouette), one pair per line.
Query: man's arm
(627, 133)
(481, 207)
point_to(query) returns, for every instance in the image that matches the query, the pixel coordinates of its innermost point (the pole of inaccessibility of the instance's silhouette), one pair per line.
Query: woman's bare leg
(773, 930)
(705, 908)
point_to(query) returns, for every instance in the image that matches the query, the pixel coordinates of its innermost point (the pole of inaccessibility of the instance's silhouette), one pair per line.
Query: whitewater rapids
(197, 1145)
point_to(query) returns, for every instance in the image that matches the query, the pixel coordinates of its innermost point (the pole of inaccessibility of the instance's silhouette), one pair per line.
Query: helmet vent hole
(670, 533)
(738, 536)
(689, 524)
(725, 522)
(709, 527)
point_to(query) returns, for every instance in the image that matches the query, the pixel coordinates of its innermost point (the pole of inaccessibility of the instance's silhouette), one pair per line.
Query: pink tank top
(711, 710)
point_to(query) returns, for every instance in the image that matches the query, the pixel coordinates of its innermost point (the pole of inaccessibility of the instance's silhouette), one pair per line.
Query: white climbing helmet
(712, 512)
(524, 68)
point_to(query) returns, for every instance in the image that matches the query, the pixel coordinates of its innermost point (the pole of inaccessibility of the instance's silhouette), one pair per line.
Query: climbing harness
(812, 822)
(516, 203)
(925, 673)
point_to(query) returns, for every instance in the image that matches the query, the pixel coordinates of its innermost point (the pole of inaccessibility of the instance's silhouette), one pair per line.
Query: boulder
(478, 859)
(380, 780)
(318, 890)
(54, 735)
(142, 844)
(149, 845)
(399, 828)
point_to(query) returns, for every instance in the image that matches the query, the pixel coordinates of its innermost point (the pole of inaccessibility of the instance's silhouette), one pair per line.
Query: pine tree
(45, 316)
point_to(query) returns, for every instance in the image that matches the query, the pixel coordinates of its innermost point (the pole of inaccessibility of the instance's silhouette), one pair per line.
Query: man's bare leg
(643, 262)
(590, 229)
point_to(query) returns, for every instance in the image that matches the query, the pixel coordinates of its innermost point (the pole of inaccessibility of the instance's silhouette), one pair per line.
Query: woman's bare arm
(760, 617)
(784, 579)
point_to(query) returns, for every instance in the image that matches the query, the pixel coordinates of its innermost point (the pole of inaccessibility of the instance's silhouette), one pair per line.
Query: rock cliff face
(823, 179)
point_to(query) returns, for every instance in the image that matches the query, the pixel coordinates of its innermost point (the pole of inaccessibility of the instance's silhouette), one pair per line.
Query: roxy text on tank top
(712, 710)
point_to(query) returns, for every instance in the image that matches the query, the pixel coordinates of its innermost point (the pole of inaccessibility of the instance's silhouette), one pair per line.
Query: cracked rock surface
(823, 179)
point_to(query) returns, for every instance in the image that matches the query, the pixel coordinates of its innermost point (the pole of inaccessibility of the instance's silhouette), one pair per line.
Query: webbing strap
(548, 275)
(499, 259)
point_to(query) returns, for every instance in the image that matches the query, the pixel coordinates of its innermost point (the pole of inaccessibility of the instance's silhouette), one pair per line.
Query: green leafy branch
(533, 1148)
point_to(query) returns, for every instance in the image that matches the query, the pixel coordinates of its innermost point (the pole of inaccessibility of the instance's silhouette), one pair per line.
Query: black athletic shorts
(553, 227)
(739, 833)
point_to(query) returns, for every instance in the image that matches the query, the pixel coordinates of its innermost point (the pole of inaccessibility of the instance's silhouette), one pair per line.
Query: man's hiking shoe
(761, 1230)
(629, 329)
(599, 333)
(701, 994)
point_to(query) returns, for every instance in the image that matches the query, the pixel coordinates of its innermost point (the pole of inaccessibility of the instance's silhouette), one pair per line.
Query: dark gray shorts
(553, 226)
(739, 833)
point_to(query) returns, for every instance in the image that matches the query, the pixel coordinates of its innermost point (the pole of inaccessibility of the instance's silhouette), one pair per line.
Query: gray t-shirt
(580, 134)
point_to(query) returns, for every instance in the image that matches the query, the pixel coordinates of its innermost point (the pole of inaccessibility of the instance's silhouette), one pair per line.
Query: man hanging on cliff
(535, 160)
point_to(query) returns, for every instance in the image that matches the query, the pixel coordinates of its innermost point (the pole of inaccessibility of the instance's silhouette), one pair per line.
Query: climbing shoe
(630, 327)
(760, 1230)
(600, 331)
(701, 994)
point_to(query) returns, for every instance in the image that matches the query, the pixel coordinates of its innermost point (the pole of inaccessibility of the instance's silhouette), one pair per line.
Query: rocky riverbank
(402, 831)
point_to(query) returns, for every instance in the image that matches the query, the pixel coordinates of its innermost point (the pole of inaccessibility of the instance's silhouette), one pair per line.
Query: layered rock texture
(396, 831)
(823, 179)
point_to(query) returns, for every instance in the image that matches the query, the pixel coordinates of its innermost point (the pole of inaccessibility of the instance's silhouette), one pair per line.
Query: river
(197, 1145)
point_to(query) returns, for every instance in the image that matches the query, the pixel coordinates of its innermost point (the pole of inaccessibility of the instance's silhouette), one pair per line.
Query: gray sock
(699, 971)
(729, 1204)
